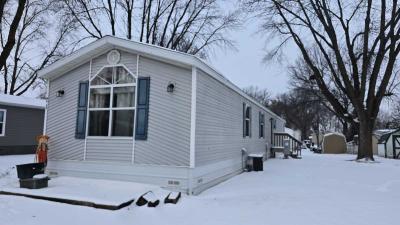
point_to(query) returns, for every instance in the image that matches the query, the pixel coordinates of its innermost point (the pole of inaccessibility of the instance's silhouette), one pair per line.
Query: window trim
(3, 131)
(111, 108)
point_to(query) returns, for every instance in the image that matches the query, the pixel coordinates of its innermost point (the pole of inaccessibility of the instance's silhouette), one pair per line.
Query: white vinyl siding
(109, 150)
(61, 115)
(219, 123)
(168, 139)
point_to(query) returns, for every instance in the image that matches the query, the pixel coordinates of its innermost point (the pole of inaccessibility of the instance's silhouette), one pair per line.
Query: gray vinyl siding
(110, 150)
(168, 138)
(21, 128)
(61, 117)
(219, 123)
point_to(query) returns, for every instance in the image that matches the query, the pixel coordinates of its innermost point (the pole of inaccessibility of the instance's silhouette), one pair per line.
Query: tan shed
(334, 143)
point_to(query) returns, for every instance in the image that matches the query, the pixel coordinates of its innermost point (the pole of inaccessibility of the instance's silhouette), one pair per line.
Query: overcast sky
(244, 67)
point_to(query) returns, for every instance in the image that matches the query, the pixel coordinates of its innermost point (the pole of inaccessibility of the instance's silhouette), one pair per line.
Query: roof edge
(157, 51)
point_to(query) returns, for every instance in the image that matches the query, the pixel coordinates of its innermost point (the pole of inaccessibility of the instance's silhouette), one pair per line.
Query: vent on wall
(173, 182)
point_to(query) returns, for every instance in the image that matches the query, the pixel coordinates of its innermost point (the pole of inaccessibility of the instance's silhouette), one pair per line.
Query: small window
(247, 121)
(262, 125)
(274, 123)
(2, 122)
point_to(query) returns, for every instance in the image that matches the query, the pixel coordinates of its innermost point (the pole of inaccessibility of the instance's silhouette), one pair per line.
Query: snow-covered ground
(316, 190)
(8, 173)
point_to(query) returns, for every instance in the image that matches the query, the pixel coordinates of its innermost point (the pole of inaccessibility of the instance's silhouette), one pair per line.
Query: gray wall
(219, 119)
(116, 150)
(61, 116)
(22, 127)
(168, 137)
(219, 123)
(169, 117)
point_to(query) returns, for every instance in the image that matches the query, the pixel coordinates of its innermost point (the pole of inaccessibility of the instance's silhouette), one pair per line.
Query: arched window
(112, 102)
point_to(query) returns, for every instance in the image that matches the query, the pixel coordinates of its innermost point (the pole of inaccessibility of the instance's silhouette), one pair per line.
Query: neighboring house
(352, 146)
(389, 144)
(119, 109)
(21, 120)
(295, 133)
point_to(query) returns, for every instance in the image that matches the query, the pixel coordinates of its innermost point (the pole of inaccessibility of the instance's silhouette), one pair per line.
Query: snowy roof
(21, 101)
(107, 43)
(333, 133)
(384, 137)
(381, 132)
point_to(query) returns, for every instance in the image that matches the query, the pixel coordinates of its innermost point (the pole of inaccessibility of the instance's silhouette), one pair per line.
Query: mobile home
(119, 109)
(21, 121)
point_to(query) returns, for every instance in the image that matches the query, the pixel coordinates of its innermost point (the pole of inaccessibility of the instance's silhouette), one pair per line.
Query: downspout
(46, 106)
(192, 130)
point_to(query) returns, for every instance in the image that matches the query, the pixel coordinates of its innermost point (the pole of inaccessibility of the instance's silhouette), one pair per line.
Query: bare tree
(127, 7)
(34, 47)
(358, 40)
(300, 75)
(192, 26)
(261, 95)
(302, 110)
(8, 44)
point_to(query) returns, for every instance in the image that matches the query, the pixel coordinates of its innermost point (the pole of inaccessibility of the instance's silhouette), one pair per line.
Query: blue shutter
(80, 129)
(142, 108)
(251, 121)
(259, 125)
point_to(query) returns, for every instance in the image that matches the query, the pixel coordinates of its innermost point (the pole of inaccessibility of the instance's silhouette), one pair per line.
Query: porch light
(170, 87)
(60, 93)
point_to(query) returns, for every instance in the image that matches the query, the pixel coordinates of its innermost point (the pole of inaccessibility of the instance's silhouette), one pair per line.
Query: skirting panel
(173, 178)
(210, 175)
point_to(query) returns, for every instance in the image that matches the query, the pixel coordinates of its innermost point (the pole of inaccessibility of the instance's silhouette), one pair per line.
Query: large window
(2, 122)
(112, 103)
(247, 121)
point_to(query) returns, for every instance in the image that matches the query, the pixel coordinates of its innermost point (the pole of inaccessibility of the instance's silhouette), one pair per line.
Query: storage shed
(119, 109)
(21, 120)
(334, 143)
(389, 145)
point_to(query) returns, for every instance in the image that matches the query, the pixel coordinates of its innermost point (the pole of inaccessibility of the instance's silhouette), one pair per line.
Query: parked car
(315, 148)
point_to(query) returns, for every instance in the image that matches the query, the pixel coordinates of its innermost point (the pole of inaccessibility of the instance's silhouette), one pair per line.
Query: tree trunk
(365, 140)
(304, 133)
(345, 130)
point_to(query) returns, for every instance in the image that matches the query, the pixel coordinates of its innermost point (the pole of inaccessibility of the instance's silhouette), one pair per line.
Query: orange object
(41, 150)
